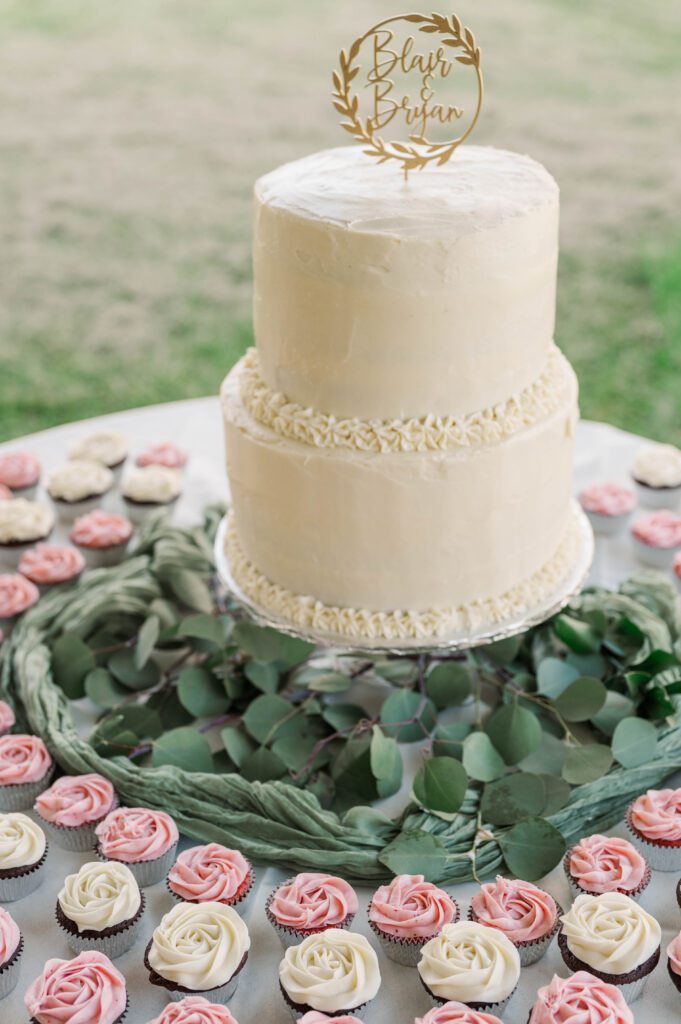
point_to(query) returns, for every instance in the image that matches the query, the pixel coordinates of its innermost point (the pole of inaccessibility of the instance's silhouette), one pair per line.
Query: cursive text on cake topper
(387, 51)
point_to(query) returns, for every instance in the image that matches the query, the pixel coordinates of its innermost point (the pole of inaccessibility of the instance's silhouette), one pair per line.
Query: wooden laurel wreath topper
(388, 50)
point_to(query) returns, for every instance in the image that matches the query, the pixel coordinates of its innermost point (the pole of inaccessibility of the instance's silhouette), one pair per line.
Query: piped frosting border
(424, 434)
(355, 624)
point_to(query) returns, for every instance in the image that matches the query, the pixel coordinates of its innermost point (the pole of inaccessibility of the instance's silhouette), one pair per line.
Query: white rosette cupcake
(613, 938)
(11, 948)
(599, 864)
(143, 839)
(198, 949)
(87, 988)
(107, 447)
(7, 718)
(407, 913)
(78, 487)
(195, 1010)
(308, 903)
(472, 964)
(22, 524)
(657, 475)
(73, 806)
(25, 770)
(23, 855)
(334, 972)
(101, 908)
(526, 914)
(654, 822)
(147, 489)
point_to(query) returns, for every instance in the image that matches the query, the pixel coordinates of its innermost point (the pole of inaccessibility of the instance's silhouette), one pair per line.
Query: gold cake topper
(388, 49)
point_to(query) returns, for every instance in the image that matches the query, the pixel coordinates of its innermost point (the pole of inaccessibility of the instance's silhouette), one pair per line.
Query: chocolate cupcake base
(496, 1009)
(10, 970)
(113, 942)
(221, 994)
(631, 985)
(660, 856)
(15, 883)
(300, 1009)
(146, 872)
(22, 795)
(675, 978)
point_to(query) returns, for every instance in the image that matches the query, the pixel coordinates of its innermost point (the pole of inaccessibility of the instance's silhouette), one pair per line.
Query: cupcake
(198, 949)
(49, 564)
(527, 915)
(150, 488)
(407, 913)
(676, 568)
(107, 447)
(73, 806)
(101, 907)
(164, 453)
(334, 972)
(23, 854)
(20, 473)
(211, 873)
(194, 1010)
(456, 1013)
(657, 537)
(17, 595)
(613, 938)
(654, 821)
(7, 718)
(599, 864)
(657, 474)
(144, 840)
(85, 989)
(11, 948)
(25, 770)
(310, 902)
(608, 506)
(578, 1000)
(22, 524)
(472, 964)
(5, 493)
(674, 961)
(78, 487)
(103, 537)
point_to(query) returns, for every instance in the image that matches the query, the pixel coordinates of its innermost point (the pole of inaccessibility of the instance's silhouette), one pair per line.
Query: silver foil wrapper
(407, 954)
(9, 973)
(77, 839)
(634, 989)
(222, 994)
(147, 872)
(16, 887)
(112, 946)
(22, 796)
(660, 858)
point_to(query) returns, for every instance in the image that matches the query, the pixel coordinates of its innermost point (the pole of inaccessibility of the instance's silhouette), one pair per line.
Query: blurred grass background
(132, 133)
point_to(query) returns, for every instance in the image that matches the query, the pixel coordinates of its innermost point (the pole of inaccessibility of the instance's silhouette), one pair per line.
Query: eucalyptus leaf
(190, 589)
(415, 853)
(581, 700)
(580, 637)
(440, 785)
(146, 640)
(369, 821)
(532, 848)
(203, 627)
(351, 771)
(554, 676)
(342, 717)
(634, 742)
(295, 752)
(586, 763)
(324, 681)
(237, 744)
(448, 738)
(514, 731)
(169, 709)
(263, 674)
(386, 763)
(183, 748)
(293, 651)
(72, 660)
(122, 666)
(616, 707)
(480, 759)
(265, 715)
(398, 671)
(262, 765)
(448, 684)
(141, 720)
(548, 758)
(261, 642)
(103, 690)
(399, 708)
(201, 693)
(557, 794)
(503, 652)
(516, 796)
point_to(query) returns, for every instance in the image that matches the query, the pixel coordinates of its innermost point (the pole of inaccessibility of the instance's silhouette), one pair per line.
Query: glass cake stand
(570, 586)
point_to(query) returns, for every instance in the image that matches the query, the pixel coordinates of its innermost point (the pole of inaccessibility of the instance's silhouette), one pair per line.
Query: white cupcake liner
(114, 945)
(103, 558)
(659, 857)
(22, 795)
(146, 872)
(11, 554)
(10, 971)
(139, 512)
(657, 497)
(656, 558)
(16, 887)
(608, 526)
(69, 511)
(577, 890)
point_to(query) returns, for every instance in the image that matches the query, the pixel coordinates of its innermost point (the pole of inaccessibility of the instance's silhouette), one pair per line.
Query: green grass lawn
(132, 133)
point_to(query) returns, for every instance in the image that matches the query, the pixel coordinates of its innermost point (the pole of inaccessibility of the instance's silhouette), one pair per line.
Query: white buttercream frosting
(610, 932)
(23, 521)
(100, 895)
(470, 963)
(658, 465)
(199, 945)
(152, 484)
(107, 447)
(22, 841)
(79, 479)
(330, 971)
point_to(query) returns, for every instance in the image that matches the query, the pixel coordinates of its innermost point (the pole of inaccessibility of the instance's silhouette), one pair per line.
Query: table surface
(602, 453)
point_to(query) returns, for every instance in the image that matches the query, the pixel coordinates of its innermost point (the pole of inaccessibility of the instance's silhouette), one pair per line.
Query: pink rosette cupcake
(47, 565)
(163, 453)
(20, 473)
(85, 990)
(103, 536)
(608, 506)
(73, 806)
(309, 903)
(11, 948)
(526, 914)
(674, 961)
(195, 1010)
(143, 839)
(7, 718)
(456, 1013)
(5, 493)
(25, 770)
(211, 874)
(600, 864)
(17, 595)
(580, 999)
(654, 821)
(657, 537)
(407, 913)
(314, 1017)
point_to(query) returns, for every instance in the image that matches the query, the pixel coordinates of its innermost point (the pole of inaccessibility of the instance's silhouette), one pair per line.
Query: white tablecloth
(602, 452)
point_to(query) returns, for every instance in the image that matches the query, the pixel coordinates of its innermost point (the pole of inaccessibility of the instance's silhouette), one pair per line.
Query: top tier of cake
(382, 298)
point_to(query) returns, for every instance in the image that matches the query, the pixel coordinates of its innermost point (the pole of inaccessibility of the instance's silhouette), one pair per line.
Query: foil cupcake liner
(22, 795)
(657, 497)
(10, 971)
(406, 952)
(577, 890)
(496, 1009)
(119, 942)
(69, 511)
(75, 838)
(659, 857)
(298, 1010)
(103, 558)
(631, 989)
(530, 952)
(293, 936)
(222, 994)
(16, 887)
(146, 872)
(241, 904)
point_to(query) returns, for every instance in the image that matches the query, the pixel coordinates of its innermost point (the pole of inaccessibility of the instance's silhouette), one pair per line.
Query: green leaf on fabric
(514, 731)
(580, 637)
(554, 676)
(190, 589)
(532, 848)
(146, 640)
(103, 690)
(261, 642)
(295, 752)
(72, 660)
(557, 794)
(263, 674)
(203, 627)
(512, 798)
(262, 765)
(398, 710)
(547, 759)
(320, 680)
(581, 700)
(586, 763)
(616, 707)
(503, 652)
(416, 853)
(182, 748)
(351, 771)
(634, 742)
(237, 744)
(440, 785)
(448, 684)
(201, 693)
(122, 666)
(480, 759)
(369, 821)
(293, 651)
(386, 763)
(264, 715)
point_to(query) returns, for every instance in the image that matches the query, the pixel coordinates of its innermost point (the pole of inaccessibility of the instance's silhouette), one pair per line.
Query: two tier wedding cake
(400, 440)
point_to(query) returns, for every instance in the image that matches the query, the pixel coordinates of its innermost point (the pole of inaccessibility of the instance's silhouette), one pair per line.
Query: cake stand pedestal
(569, 587)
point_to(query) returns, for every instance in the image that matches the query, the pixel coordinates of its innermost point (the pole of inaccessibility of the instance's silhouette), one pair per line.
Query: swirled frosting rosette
(580, 999)
(472, 964)
(17, 595)
(408, 912)
(107, 447)
(333, 972)
(613, 938)
(100, 907)
(73, 805)
(23, 853)
(7, 718)
(20, 471)
(314, 1017)
(11, 946)
(25, 770)
(198, 948)
(103, 536)
(85, 990)
(654, 821)
(194, 1010)
(526, 914)
(599, 864)
(456, 1013)
(163, 453)
(144, 839)
(211, 873)
(310, 902)
(49, 564)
